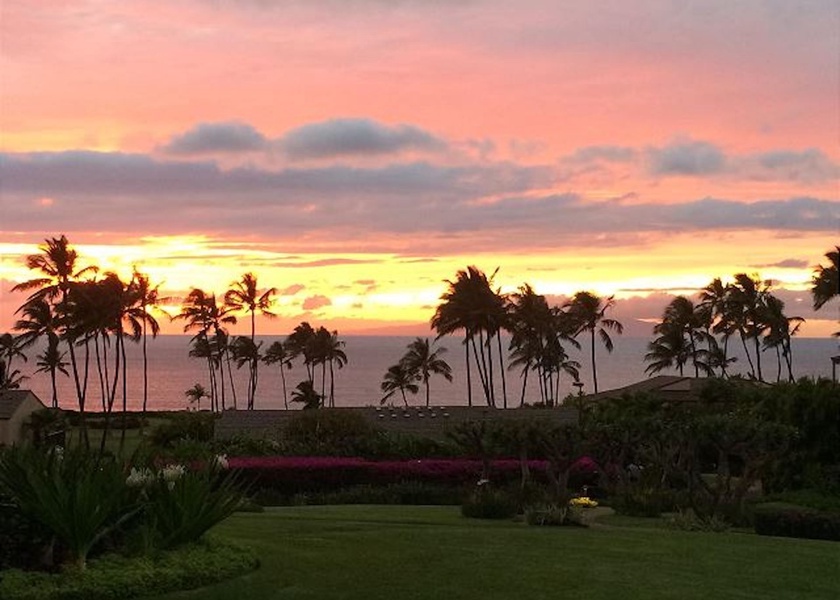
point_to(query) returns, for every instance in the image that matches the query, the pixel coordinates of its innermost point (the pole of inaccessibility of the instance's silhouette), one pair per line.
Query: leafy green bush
(327, 433)
(181, 505)
(787, 520)
(24, 543)
(405, 492)
(78, 497)
(554, 515)
(115, 577)
(486, 502)
(196, 426)
(686, 520)
(809, 498)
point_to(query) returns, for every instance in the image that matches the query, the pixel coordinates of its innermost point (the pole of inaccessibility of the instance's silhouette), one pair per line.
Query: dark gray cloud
(356, 137)
(455, 209)
(606, 153)
(211, 138)
(807, 166)
(686, 157)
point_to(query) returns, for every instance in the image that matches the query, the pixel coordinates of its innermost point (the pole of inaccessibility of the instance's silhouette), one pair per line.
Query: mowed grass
(403, 553)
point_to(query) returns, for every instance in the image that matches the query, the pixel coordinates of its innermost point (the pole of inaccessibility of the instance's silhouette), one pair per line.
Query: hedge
(787, 520)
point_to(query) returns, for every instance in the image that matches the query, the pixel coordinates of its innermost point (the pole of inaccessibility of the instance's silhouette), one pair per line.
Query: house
(15, 408)
(669, 388)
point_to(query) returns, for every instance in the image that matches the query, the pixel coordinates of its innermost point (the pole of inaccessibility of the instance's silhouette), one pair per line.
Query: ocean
(172, 372)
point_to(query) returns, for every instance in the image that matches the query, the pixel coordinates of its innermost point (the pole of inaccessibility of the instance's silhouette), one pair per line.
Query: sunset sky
(356, 153)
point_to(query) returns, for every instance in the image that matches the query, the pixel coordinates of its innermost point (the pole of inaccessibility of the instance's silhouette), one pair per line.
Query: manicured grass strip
(387, 552)
(116, 577)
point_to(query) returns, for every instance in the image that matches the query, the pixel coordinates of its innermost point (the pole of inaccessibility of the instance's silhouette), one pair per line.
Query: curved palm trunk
(283, 381)
(426, 382)
(747, 352)
(524, 385)
(481, 372)
(230, 379)
(124, 396)
(54, 388)
(469, 370)
(758, 358)
(502, 368)
(332, 385)
(145, 377)
(592, 357)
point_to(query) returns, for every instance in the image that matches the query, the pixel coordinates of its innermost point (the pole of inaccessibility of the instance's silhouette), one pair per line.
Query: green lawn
(402, 553)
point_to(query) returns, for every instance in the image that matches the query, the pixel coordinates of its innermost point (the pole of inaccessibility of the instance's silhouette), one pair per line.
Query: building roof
(432, 422)
(10, 401)
(667, 387)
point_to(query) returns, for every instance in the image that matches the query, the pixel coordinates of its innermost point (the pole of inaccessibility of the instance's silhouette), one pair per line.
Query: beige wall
(11, 430)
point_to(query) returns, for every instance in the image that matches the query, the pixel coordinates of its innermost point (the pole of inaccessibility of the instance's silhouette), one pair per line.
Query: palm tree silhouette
(245, 296)
(682, 316)
(745, 309)
(825, 283)
(11, 347)
(300, 343)
(58, 269)
(146, 298)
(471, 304)
(422, 361)
(398, 379)
(537, 336)
(277, 353)
(38, 319)
(588, 312)
(51, 361)
(781, 329)
(669, 349)
(328, 350)
(305, 394)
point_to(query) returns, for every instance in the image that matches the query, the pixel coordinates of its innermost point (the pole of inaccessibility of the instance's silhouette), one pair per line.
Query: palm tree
(329, 351)
(277, 353)
(195, 394)
(38, 318)
(538, 333)
(825, 283)
(682, 316)
(588, 312)
(398, 378)
(669, 349)
(244, 351)
(306, 394)
(712, 310)
(781, 329)
(422, 361)
(51, 361)
(471, 304)
(11, 347)
(300, 343)
(202, 313)
(744, 308)
(147, 299)
(245, 296)
(58, 269)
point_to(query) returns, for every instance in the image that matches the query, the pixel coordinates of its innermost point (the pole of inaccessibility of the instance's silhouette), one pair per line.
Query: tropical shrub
(24, 543)
(327, 433)
(554, 515)
(198, 426)
(488, 502)
(115, 577)
(78, 497)
(686, 520)
(788, 520)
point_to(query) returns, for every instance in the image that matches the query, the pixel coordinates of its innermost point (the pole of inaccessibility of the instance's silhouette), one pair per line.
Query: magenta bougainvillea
(320, 473)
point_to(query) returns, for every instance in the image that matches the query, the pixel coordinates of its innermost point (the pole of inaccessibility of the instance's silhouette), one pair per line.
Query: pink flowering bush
(291, 475)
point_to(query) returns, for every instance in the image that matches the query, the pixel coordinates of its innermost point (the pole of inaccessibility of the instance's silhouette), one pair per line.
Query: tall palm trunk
(592, 358)
(758, 357)
(747, 352)
(124, 394)
(469, 369)
(145, 376)
(502, 368)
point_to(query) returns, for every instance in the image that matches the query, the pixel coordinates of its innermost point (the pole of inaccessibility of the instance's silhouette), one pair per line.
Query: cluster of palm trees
(87, 317)
(419, 363)
(538, 333)
(698, 334)
(93, 315)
